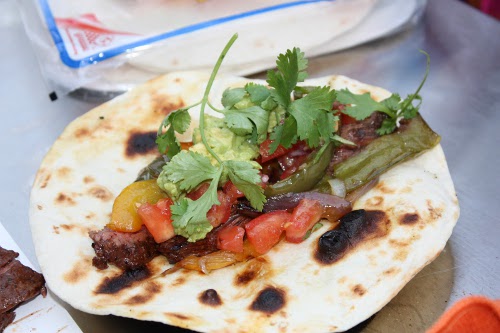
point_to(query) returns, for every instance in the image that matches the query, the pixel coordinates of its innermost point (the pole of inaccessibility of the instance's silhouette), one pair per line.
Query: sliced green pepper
(306, 178)
(385, 152)
(153, 170)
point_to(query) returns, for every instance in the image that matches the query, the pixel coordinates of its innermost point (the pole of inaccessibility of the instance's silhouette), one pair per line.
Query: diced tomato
(305, 215)
(232, 191)
(346, 120)
(164, 206)
(198, 192)
(265, 231)
(231, 239)
(294, 158)
(219, 214)
(157, 221)
(264, 151)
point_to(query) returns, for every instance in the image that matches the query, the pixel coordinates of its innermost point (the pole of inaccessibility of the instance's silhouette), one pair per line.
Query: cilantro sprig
(187, 169)
(362, 106)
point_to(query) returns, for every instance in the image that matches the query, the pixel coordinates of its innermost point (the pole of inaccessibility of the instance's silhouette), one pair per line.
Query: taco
(328, 276)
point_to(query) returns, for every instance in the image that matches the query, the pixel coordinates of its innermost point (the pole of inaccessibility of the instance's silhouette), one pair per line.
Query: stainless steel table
(461, 102)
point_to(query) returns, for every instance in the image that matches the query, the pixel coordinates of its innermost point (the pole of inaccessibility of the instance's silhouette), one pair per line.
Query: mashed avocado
(226, 144)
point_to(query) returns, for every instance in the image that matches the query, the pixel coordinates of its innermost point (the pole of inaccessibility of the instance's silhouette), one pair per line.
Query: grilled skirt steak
(178, 248)
(127, 250)
(5, 319)
(6, 256)
(361, 132)
(18, 284)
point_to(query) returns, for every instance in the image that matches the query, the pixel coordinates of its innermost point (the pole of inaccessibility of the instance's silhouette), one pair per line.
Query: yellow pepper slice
(124, 216)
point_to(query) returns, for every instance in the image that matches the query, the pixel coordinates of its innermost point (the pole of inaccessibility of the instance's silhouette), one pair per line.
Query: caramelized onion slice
(334, 207)
(215, 260)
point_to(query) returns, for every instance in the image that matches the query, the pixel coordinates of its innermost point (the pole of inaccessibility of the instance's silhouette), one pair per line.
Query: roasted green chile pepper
(306, 178)
(152, 171)
(385, 152)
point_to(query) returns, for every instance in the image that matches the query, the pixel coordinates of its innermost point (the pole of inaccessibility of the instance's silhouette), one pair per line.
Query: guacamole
(226, 144)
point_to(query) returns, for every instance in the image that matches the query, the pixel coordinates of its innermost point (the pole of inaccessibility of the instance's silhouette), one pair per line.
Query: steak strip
(18, 284)
(178, 248)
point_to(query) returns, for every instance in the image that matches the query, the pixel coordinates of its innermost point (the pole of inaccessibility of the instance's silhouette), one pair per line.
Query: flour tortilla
(89, 165)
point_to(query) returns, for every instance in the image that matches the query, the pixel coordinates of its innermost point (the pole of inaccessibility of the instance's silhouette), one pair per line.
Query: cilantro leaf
(232, 96)
(189, 218)
(258, 93)
(291, 70)
(411, 110)
(246, 179)
(388, 126)
(189, 169)
(246, 121)
(284, 134)
(360, 106)
(177, 121)
(310, 114)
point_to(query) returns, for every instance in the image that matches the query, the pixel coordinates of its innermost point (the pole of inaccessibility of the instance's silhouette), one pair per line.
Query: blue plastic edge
(97, 57)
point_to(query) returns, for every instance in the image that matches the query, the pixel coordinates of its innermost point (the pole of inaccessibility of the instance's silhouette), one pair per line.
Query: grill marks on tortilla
(269, 300)
(79, 271)
(210, 297)
(354, 229)
(125, 280)
(409, 219)
(65, 200)
(358, 290)
(151, 289)
(255, 269)
(140, 143)
(100, 193)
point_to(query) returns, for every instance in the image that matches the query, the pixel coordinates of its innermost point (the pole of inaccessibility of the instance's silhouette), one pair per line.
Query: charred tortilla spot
(254, 269)
(82, 133)
(77, 273)
(381, 186)
(101, 193)
(269, 300)
(166, 104)
(354, 228)
(375, 201)
(434, 213)
(179, 281)
(409, 219)
(359, 290)
(401, 255)
(151, 289)
(64, 199)
(90, 216)
(140, 143)
(63, 172)
(45, 181)
(40, 207)
(210, 297)
(177, 315)
(391, 271)
(56, 229)
(88, 179)
(124, 280)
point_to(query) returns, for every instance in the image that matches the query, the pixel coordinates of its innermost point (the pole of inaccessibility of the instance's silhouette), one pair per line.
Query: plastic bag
(108, 46)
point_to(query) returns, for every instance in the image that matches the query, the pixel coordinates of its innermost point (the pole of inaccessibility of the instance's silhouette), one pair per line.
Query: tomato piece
(264, 151)
(219, 214)
(231, 239)
(124, 216)
(304, 216)
(158, 221)
(232, 191)
(198, 192)
(346, 119)
(265, 231)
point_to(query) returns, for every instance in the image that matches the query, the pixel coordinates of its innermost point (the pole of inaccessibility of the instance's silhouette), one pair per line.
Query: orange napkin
(473, 314)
